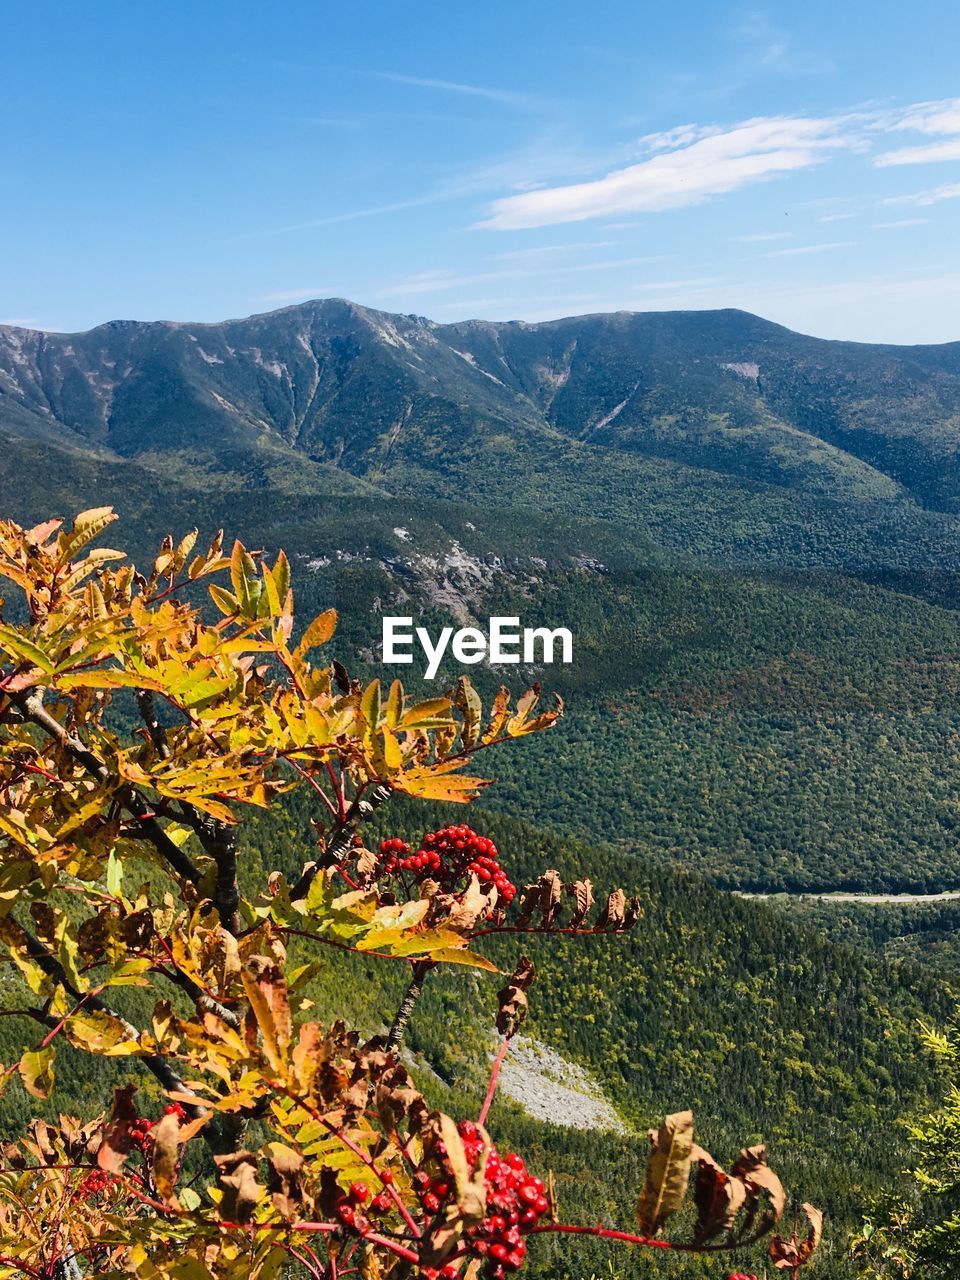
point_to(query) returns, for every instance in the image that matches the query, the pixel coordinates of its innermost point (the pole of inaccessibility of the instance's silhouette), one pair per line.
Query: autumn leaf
(668, 1172)
(36, 1071)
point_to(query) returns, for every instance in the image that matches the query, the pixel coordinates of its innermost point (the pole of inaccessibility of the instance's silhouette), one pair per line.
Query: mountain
(822, 451)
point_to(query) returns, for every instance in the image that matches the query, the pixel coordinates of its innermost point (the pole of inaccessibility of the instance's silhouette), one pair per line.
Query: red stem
(313, 783)
(337, 790)
(492, 1088)
(18, 1265)
(607, 1233)
(94, 991)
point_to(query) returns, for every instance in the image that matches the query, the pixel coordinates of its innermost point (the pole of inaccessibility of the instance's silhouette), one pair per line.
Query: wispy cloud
(689, 174)
(763, 236)
(942, 116)
(932, 119)
(802, 250)
(950, 191)
(506, 97)
(899, 222)
(931, 153)
(835, 217)
(775, 50)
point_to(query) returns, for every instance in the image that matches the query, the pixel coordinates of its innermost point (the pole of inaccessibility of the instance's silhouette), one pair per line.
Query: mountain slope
(365, 389)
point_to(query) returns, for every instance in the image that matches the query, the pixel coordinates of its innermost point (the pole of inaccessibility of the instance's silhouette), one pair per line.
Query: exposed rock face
(549, 1087)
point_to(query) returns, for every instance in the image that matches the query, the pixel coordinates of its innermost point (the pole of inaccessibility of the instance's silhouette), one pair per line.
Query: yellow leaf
(468, 702)
(454, 955)
(264, 1016)
(227, 604)
(36, 1071)
(97, 1031)
(394, 705)
(85, 528)
(319, 631)
(433, 713)
(439, 782)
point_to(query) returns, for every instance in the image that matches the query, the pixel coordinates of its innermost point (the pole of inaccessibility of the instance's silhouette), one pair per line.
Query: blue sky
(504, 160)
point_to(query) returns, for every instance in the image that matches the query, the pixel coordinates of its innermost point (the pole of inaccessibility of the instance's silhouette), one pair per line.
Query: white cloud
(720, 162)
(931, 117)
(522, 255)
(680, 136)
(763, 236)
(932, 153)
(836, 217)
(441, 280)
(951, 191)
(809, 248)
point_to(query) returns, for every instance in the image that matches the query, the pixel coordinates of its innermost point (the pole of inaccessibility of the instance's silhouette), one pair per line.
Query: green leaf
(114, 874)
(18, 646)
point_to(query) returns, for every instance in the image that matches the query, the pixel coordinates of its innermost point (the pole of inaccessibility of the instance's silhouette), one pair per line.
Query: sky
(522, 160)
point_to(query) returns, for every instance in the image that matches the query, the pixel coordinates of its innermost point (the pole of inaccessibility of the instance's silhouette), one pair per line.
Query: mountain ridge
(366, 390)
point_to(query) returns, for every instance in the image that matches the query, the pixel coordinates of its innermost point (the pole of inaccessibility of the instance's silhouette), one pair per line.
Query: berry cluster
(95, 1183)
(140, 1131)
(515, 1204)
(448, 856)
(140, 1135)
(349, 1207)
(516, 1201)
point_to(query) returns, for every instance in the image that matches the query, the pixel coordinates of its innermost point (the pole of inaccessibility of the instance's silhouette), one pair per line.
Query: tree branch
(204, 1002)
(408, 1003)
(147, 706)
(218, 1133)
(361, 809)
(221, 843)
(32, 709)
